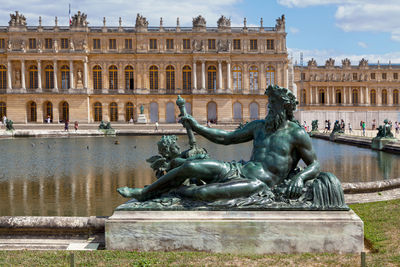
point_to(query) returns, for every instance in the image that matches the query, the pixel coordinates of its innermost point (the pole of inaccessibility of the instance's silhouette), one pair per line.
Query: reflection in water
(79, 176)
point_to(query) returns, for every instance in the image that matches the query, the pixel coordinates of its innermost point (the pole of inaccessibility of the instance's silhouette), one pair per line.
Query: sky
(319, 29)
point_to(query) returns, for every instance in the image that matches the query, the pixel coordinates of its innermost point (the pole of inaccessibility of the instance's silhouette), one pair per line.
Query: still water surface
(79, 176)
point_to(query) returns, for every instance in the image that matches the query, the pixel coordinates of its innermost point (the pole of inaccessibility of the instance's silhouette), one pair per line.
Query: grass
(382, 231)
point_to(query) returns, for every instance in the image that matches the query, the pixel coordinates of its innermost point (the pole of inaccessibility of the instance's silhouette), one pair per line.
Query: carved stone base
(380, 143)
(253, 232)
(141, 119)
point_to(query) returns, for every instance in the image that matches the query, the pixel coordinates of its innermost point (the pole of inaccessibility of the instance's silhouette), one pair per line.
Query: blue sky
(318, 28)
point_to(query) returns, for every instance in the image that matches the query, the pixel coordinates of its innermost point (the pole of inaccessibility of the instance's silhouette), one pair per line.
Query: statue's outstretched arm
(218, 136)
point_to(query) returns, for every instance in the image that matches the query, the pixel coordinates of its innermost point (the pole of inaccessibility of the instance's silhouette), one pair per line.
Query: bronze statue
(270, 176)
(314, 125)
(385, 130)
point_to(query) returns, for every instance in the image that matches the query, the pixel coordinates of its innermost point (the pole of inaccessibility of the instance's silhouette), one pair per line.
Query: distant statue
(17, 19)
(223, 22)
(23, 47)
(9, 125)
(270, 178)
(9, 45)
(314, 125)
(85, 46)
(79, 76)
(385, 131)
(141, 109)
(79, 20)
(199, 21)
(141, 22)
(71, 45)
(337, 128)
(55, 46)
(105, 126)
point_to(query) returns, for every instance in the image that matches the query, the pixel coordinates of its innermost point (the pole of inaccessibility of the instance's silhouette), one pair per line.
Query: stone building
(354, 93)
(89, 74)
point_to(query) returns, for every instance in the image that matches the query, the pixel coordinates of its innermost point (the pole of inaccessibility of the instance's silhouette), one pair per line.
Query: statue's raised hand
(295, 188)
(187, 120)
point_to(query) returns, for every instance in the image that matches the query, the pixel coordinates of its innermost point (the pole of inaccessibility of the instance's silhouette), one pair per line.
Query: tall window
(170, 43)
(322, 96)
(113, 77)
(3, 109)
(98, 112)
(49, 76)
(153, 78)
(384, 97)
(186, 43)
(355, 76)
(270, 75)
(338, 96)
(170, 78)
(237, 78)
(97, 81)
(48, 43)
(253, 44)
(384, 76)
(212, 78)
(129, 82)
(64, 43)
(65, 82)
(254, 111)
(113, 111)
(2, 43)
(395, 97)
(395, 76)
(211, 44)
(33, 77)
(237, 112)
(373, 76)
(129, 109)
(153, 43)
(372, 97)
(112, 44)
(187, 78)
(32, 43)
(3, 78)
(49, 111)
(303, 97)
(236, 44)
(253, 78)
(65, 111)
(96, 44)
(32, 112)
(355, 96)
(128, 43)
(270, 44)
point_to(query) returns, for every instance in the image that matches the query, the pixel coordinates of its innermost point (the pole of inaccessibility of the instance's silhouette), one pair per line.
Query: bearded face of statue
(276, 115)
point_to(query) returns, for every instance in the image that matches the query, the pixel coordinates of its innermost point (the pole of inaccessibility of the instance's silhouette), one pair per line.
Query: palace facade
(354, 93)
(89, 74)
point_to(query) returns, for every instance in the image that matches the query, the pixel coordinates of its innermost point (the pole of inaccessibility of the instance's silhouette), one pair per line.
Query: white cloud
(322, 55)
(293, 30)
(362, 44)
(360, 15)
(169, 10)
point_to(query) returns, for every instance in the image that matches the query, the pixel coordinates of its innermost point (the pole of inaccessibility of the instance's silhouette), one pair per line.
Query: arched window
(113, 77)
(170, 112)
(33, 77)
(3, 109)
(253, 78)
(237, 112)
(270, 75)
(237, 79)
(32, 116)
(113, 111)
(48, 107)
(373, 97)
(170, 71)
(64, 111)
(129, 82)
(355, 97)
(97, 80)
(254, 111)
(49, 77)
(384, 97)
(395, 97)
(65, 82)
(212, 78)
(187, 78)
(303, 96)
(129, 111)
(321, 96)
(153, 112)
(338, 96)
(212, 112)
(3, 77)
(98, 112)
(153, 78)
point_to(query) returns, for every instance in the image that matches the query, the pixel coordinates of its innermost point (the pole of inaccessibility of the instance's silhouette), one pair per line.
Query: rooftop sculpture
(270, 179)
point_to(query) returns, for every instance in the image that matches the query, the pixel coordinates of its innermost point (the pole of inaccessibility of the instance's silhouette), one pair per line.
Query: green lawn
(382, 231)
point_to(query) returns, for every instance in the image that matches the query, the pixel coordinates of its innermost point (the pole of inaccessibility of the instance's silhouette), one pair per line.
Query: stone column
(379, 96)
(85, 73)
(23, 74)
(361, 95)
(316, 95)
(9, 71)
(344, 95)
(311, 95)
(203, 75)
(55, 75)
(327, 95)
(39, 76)
(194, 77)
(367, 95)
(390, 96)
(333, 99)
(219, 75)
(71, 74)
(228, 76)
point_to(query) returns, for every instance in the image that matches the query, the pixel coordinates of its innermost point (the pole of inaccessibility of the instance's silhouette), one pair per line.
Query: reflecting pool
(78, 176)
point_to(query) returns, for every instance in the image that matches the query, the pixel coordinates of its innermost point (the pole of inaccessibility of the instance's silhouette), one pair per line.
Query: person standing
(4, 119)
(396, 127)
(156, 124)
(350, 129)
(363, 127)
(76, 126)
(329, 125)
(66, 125)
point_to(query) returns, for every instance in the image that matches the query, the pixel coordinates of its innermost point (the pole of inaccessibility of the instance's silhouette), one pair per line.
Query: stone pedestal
(380, 143)
(254, 232)
(142, 118)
